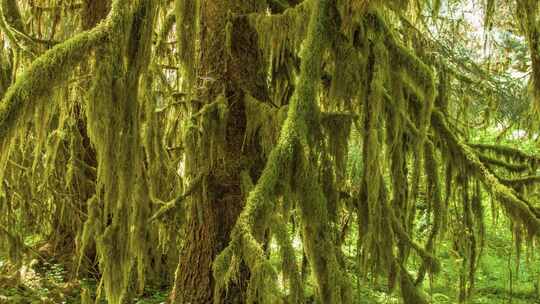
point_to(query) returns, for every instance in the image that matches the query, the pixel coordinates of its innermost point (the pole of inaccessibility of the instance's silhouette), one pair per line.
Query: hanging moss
(46, 71)
(92, 227)
(28, 95)
(213, 121)
(302, 116)
(337, 128)
(290, 266)
(527, 11)
(113, 113)
(372, 120)
(516, 208)
(478, 213)
(347, 61)
(360, 64)
(280, 33)
(434, 197)
(333, 284)
(263, 122)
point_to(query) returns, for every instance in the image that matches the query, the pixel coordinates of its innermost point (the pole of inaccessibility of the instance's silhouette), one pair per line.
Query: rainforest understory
(269, 151)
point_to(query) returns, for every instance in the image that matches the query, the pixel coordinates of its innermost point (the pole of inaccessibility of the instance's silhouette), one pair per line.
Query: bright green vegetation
(279, 151)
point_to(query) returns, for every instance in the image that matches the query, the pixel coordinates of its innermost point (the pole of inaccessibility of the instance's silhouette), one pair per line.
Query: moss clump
(263, 122)
(282, 33)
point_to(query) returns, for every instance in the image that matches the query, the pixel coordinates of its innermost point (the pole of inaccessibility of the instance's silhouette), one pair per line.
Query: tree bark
(233, 72)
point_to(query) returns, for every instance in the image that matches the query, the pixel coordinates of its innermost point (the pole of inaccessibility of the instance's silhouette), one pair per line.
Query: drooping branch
(520, 181)
(516, 208)
(508, 152)
(488, 160)
(46, 72)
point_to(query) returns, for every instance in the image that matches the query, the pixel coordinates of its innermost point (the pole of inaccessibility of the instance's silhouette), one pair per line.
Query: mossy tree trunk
(213, 210)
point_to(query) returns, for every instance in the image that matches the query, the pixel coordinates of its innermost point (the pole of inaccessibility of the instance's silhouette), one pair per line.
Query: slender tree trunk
(214, 209)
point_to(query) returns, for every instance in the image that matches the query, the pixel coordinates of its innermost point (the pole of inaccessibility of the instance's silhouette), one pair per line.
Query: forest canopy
(269, 151)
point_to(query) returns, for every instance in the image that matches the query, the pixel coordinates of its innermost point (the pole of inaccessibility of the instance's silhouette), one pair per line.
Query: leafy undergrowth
(47, 283)
(498, 280)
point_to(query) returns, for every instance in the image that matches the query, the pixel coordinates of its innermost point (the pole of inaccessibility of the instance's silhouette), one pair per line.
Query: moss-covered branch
(520, 181)
(46, 72)
(488, 160)
(171, 205)
(507, 152)
(516, 208)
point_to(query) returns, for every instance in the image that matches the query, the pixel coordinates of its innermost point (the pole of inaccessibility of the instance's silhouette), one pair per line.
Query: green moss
(113, 112)
(281, 33)
(291, 272)
(516, 208)
(263, 123)
(92, 227)
(337, 128)
(300, 129)
(507, 152)
(517, 168)
(436, 206)
(48, 70)
(527, 11)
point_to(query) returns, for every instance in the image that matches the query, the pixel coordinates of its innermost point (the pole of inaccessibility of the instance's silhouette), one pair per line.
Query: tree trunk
(214, 209)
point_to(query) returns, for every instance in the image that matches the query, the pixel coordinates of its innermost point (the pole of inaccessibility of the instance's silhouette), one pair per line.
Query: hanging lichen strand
(113, 113)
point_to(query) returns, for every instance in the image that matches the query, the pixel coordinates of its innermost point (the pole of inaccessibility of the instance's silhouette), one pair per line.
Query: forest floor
(46, 281)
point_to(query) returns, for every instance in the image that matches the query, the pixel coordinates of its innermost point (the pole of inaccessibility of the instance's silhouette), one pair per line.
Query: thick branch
(45, 73)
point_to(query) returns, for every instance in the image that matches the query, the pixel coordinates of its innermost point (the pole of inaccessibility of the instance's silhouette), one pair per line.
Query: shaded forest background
(269, 151)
